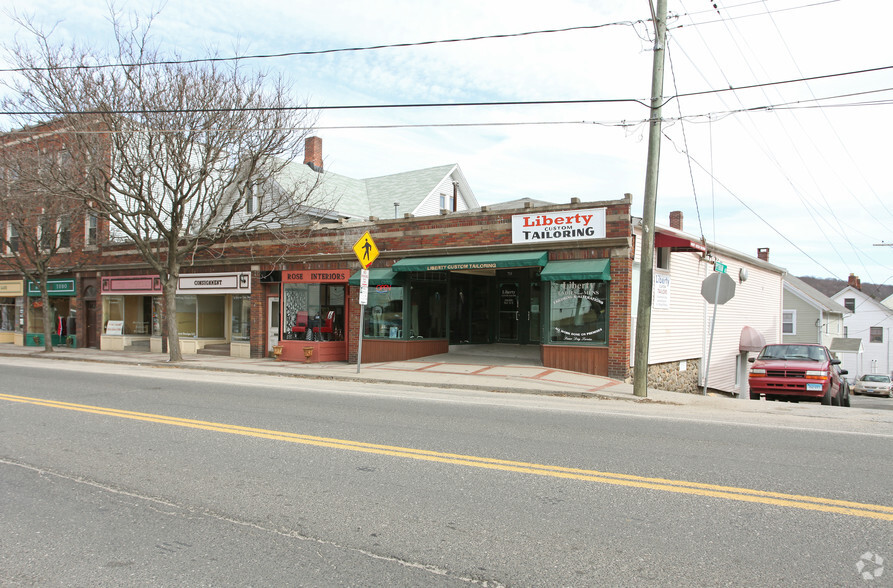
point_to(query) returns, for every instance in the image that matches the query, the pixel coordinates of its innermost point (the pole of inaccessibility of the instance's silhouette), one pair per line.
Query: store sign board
(136, 285)
(12, 288)
(315, 276)
(64, 287)
(570, 225)
(223, 283)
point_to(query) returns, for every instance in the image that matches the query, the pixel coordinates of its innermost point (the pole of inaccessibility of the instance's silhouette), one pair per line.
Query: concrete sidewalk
(471, 369)
(457, 371)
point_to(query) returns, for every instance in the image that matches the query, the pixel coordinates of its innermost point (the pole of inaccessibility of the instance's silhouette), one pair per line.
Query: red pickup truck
(797, 371)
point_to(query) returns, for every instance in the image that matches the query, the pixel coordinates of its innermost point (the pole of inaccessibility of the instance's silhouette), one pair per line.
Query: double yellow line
(874, 511)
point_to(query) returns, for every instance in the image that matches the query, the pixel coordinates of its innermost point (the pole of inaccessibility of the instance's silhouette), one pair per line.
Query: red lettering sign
(316, 276)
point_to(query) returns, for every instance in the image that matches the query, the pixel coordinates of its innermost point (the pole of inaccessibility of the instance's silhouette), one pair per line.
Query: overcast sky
(808, 178)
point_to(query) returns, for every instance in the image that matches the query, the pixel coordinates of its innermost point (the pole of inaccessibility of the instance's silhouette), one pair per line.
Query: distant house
(808, 316)
(681, 317)
(422, 192)
(870, 321)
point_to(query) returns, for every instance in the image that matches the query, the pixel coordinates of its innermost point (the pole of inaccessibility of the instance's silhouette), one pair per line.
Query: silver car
(874, 384)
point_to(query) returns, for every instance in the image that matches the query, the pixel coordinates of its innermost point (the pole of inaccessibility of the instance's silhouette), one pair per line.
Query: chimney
(313, 153)
(676, 220)
(763, 253)
(855, 282)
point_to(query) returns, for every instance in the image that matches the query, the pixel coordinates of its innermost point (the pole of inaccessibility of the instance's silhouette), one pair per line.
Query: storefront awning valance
(378, 277)
(677, 243)
(577, 269)
(472, 262)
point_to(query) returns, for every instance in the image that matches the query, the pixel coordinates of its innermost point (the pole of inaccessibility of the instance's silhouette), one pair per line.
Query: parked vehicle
(798, 371)
(874, 384)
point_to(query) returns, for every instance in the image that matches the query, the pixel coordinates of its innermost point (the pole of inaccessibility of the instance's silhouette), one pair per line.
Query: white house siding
(877, 357)
(757, 304)
(832, 327)
(431, 205)
(682, 331)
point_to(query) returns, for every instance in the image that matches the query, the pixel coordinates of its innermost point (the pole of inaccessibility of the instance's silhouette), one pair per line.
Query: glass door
(272, 323)
(534, 317)
(509, 312)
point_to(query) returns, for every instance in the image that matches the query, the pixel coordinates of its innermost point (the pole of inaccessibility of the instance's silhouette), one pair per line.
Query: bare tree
(178, 156)
(36, 215)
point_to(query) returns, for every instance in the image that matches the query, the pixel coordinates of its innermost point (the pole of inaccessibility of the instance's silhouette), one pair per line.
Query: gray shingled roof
(817, 296)
(408, 188)
(372, 196)
(846, 345)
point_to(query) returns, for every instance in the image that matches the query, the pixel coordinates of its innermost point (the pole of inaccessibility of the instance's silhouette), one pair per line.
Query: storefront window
(579, 312)
(133, 312)
(60, 312)
(211, 316)
(241, 326)
(428, 310)
(314, 312)
(384, 312)
(20, 314)
(7, 314)
(112, 310)
(186, 315)
(157, 315)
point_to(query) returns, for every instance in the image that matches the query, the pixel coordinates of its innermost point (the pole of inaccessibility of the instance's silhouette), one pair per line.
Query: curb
(342, 378)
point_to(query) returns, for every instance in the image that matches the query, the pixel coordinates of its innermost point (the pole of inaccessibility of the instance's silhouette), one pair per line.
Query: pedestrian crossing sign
(365, 250)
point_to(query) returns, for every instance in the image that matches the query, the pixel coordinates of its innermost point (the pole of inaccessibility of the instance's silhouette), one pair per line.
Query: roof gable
(802, 290)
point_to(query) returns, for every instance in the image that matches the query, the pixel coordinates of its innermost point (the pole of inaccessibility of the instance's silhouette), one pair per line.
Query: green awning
(378, 277)
(472, 262)
(577, 269)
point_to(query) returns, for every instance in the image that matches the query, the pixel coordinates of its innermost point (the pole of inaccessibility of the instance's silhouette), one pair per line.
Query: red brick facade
(330, 246)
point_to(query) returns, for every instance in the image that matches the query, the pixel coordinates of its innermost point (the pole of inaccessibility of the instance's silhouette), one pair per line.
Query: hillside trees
(178, 156)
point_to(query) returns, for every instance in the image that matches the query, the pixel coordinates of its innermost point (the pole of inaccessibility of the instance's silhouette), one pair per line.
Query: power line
(442, 104)
(630, 23)
(323, 51)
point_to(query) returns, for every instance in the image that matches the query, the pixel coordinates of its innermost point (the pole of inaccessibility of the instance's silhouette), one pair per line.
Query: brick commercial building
(449, 272)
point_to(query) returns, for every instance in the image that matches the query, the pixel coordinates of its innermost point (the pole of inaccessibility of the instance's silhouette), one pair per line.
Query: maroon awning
(677, 243)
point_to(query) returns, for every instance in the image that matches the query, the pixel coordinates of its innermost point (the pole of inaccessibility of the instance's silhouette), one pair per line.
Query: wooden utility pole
(646, 269)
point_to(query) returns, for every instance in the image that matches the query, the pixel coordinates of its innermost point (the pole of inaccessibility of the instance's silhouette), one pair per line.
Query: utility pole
(646, 269)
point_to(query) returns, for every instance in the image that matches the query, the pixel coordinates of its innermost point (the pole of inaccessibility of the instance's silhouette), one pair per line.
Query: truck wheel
(754, 396)
(826, 399)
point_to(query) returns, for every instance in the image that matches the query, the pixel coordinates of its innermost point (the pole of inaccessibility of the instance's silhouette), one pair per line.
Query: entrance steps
(139, 346)
(215, 349)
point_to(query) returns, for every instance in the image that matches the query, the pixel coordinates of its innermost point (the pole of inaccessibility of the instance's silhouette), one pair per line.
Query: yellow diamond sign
(365, 250)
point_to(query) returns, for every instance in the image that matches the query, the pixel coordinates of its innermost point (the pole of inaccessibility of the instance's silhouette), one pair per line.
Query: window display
(579, 312)
(313, 312)
(384, 312)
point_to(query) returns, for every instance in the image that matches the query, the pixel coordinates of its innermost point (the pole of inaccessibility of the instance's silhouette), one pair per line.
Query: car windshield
(875, 378)
(808, 352)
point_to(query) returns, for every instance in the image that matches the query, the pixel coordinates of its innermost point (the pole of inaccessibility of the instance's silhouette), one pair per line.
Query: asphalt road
(871, 402)
(114, 476)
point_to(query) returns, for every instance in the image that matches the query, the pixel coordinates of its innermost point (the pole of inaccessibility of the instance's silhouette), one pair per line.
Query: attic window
(850, 304)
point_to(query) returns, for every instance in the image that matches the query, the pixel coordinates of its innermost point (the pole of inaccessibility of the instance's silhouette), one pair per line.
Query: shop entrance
(469, 309)
(502, 307)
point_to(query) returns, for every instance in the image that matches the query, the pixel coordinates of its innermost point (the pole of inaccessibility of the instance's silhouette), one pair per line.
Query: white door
(272, 323)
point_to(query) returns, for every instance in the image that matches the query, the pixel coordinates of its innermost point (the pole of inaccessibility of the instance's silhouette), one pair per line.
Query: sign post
(717, 288)
(366, 253)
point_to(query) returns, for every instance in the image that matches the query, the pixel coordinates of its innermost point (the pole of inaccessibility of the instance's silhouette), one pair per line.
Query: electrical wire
(324, 51)
(642, 102)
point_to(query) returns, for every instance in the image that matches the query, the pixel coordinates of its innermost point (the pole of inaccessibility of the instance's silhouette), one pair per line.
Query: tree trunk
(170, 317)
(47, 317)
